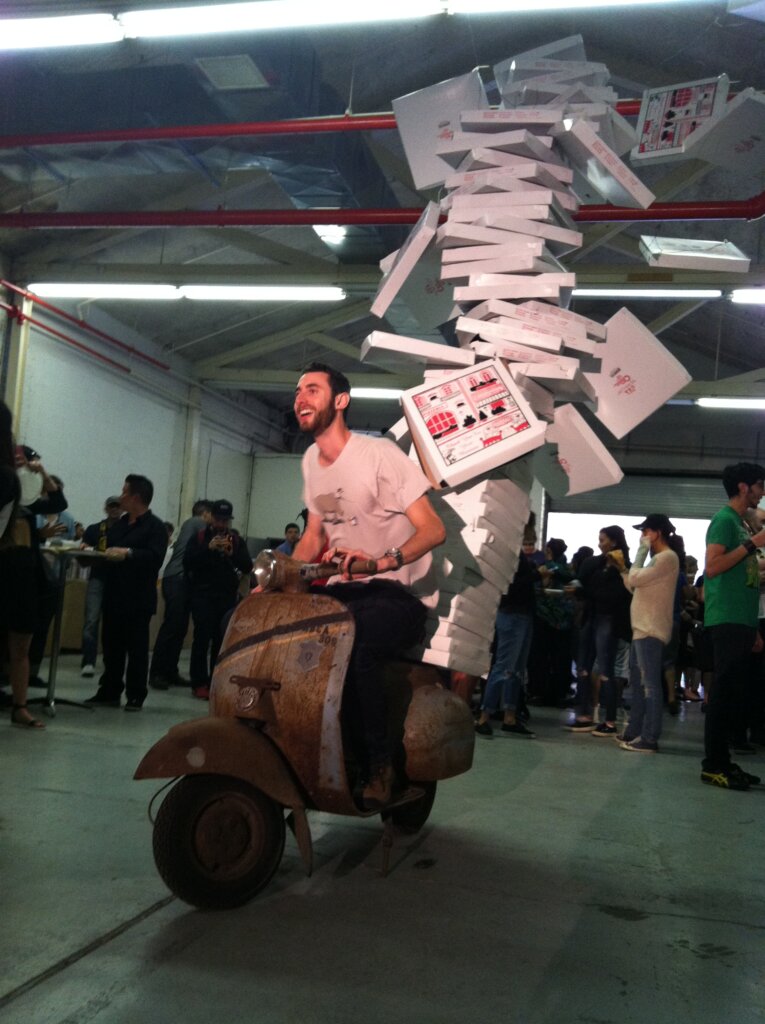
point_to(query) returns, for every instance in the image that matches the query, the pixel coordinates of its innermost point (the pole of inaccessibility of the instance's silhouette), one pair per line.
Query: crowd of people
(580, 634)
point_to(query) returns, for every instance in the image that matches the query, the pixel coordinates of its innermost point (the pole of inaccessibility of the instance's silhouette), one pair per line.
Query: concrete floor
(561, 880)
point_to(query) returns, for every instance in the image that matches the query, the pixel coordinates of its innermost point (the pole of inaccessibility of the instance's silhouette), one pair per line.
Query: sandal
(24, 723)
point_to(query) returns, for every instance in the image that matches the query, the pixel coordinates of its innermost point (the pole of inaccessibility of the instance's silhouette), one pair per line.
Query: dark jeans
(208, 608)
(94, 597)
(597, 642)
(388, 621)
(46, 609)
(732, 644)
(549, 663)
(125, 638)
(172, 632)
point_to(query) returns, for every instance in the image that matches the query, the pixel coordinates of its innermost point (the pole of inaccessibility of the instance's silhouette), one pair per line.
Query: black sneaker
(577, 726)
(725, 779)
(604, 730)
(133, 704)
(159, 683)
(484, 729)
(102, 700)
(517, 729)
(753, 780)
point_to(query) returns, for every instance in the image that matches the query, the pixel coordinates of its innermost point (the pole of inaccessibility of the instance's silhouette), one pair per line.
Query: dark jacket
(218, 571)
(605, 594)
(132, 584)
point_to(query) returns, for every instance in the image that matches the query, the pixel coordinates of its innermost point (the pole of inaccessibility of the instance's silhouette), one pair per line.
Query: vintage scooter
(274, 742)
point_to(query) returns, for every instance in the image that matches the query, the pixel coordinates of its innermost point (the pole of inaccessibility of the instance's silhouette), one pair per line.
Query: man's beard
(322, 419)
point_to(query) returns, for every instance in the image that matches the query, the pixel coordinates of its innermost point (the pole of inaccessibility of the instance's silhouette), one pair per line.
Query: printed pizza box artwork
(471, 422)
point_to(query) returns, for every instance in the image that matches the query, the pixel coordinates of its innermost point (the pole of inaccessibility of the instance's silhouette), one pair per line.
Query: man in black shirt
(136, 546)
(95, 537)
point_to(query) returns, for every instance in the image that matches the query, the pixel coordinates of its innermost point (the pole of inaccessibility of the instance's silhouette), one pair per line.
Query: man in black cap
(215, 560)
(653, 587)
(95, 537)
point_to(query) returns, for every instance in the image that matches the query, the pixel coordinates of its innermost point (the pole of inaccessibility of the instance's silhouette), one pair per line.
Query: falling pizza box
(501, 149)
(506, 332)
(429, 115)
(566, 317)
(470, 586)
(638, 374)
(463, 547)
(736, 139)
(483, 158)
(502, 185)
(552, 287)
(457, 273)
(456, 661)
(395, 352)
(671, 114)
(575, 459)
(454, 234)
(470, 423)
(444, 629)
(521, 68)
(602, 168)
(457, 571)
(544, 174)
(693, 254)
(464, 617)
(490, 210)
(539, 398)
(538, 120)
(569, 49)
(522, 193)
(559, 93)
(573, 335)
(413, 248)
(487, 214)
(493, 251)
(559, 240)
(615, 130)
(566, 383)
(499, 487)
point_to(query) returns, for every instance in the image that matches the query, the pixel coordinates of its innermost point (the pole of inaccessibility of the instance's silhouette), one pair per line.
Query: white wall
(277, 486)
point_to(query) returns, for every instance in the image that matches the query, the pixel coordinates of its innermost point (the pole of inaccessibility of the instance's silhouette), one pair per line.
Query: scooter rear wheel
(409, 818)
(217, 841)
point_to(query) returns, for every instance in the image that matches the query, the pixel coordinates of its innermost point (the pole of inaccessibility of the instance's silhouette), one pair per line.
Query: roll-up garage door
(680, 496)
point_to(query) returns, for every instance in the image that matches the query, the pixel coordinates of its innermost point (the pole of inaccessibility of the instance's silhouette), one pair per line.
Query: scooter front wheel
(410, 817)
(217, 841)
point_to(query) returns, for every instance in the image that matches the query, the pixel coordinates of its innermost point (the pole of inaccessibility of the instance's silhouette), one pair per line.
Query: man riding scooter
(366, 500)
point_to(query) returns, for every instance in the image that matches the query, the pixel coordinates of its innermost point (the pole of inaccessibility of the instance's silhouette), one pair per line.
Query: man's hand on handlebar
(343, 559)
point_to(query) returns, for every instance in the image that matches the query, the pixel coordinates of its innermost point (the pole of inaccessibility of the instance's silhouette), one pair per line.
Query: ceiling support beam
(285, 380)
(679, 311)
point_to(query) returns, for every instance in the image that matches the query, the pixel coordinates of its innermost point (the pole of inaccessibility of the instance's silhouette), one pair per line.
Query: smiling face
(315, 407)
(605, 543)
(754, 494)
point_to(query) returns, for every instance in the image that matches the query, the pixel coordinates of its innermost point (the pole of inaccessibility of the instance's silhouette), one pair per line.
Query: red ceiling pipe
(296, 126)
(83, 324)
(737, 209)
(15, 312)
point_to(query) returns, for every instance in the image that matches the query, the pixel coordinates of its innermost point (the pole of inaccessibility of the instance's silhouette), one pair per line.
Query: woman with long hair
(18, 595)
(606, 620)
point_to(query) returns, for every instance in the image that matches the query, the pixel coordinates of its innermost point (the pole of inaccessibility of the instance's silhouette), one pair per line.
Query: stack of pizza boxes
(499, 407)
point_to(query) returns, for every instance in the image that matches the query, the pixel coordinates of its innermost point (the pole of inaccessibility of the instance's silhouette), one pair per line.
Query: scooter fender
(226, 746)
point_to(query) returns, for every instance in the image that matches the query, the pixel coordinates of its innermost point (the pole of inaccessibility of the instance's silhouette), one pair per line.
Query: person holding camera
(214, 561)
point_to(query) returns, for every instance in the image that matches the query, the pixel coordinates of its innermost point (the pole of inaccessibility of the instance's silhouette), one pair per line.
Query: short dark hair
(140, 487)
(741, 473)
(616, 535)
(200, 506)
(557, 549)
(291, 526)
(338, 382)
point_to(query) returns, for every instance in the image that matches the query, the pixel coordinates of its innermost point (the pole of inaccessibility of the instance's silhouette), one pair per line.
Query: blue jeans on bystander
(506, 676)
(646, 657)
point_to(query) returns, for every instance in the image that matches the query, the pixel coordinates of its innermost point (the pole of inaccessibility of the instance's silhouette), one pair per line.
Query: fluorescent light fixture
(731, 403)
(376, 393)
(70, 30)
(748, 296)
(513, 6)
(65, 290)
(269, 14)
(647, 293)
(332, 234)
(261, 293)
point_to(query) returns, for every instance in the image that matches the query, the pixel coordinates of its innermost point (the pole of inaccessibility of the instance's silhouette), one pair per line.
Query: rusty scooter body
(273, 744)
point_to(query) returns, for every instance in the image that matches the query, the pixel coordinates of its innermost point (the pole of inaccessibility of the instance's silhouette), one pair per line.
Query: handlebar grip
(323, 570)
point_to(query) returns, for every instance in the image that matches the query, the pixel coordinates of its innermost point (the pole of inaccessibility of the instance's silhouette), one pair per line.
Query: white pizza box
(470, 423)
(476, 548)
(521, 68)
(448, 636)
(573, 335)
(498, 486)
(499, 161)
(559, 240)
(541, 173)
(523, 194)
(458, 571)
(429, 115)
(569, 49)
(396, 352)
(615, 130)
(602, 168)
(456, 661)
(492, 213)
(505, 330)
(492, 251)
(693, 254)
(400, 434)
(565, 316)
(736, 139)
(558, 92)
(574, 460)
(463, 616)
(470, 586)
(471, 601)
(539, 398)
(457, 273)
(538, 120)
(454, 233)
(553, 287)
(498, 150)
(564, 382)
(548, 83)
(413, 248)
(670, 114)
(638, 375)
(486, 214)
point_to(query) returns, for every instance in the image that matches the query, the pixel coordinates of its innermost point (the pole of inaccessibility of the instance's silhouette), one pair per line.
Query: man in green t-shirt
(731, 603)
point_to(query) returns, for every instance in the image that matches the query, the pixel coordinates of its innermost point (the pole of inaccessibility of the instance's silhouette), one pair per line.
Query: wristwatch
(395, 553)
(749, 544)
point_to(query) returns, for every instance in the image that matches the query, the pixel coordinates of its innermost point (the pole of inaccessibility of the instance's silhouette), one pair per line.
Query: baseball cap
(113, 500)
(223, 509)
(656, 521)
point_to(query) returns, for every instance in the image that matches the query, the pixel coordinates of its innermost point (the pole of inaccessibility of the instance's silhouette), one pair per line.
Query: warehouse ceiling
(246, 348)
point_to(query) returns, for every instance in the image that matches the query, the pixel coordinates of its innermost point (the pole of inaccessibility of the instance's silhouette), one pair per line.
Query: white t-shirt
(362, 500)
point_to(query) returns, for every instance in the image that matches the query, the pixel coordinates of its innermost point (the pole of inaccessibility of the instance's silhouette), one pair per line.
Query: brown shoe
(377, 792)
